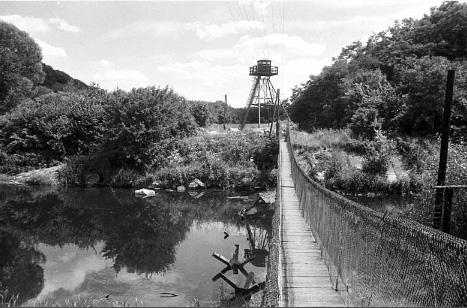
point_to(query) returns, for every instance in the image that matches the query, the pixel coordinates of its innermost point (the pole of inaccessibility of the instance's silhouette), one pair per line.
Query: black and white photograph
(233, 153)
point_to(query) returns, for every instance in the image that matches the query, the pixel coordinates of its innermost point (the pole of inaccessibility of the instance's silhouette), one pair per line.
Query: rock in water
(196, 184)
(145, 192)
(181, 188)
(267, 197)
(200, 183)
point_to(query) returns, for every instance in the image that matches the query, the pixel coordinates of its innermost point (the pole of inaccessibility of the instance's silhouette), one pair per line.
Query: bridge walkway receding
(305, 278)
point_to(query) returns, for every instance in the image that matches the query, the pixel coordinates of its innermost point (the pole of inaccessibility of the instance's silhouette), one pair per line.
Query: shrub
(137, 123)
(40, 179)
(375, 164)
(52, 127)
(124, 178)
(265, 155)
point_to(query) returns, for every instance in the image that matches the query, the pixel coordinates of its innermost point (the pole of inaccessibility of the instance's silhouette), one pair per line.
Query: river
(63, 245)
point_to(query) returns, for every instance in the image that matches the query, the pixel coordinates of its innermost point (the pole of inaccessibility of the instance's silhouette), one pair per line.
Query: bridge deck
(305, 278)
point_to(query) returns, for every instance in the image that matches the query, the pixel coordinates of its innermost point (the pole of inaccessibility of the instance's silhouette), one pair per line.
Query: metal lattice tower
(262, 91)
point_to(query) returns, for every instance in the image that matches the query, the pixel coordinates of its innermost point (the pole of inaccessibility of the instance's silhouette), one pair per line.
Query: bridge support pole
(443, 156)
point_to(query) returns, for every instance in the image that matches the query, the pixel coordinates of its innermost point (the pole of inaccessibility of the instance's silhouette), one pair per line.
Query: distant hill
(61, 81)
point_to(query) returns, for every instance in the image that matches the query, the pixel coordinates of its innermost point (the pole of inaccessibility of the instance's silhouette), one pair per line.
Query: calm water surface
(60, 244)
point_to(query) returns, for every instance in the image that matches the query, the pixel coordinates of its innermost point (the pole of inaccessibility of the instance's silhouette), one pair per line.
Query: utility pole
(441, 196)
(275, 115)
(278, 118)
(225, 111)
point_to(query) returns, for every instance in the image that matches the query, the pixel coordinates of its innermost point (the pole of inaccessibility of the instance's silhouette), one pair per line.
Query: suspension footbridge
(327, 250)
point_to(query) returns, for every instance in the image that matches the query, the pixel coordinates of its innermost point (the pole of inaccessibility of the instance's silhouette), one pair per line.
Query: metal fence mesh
(379, 260)
(271, 295)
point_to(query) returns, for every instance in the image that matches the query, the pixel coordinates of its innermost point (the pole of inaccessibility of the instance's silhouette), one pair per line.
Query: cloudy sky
(202, 49)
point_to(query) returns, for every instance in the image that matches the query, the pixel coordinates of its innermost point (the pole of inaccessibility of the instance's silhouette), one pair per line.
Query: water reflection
(21, 276)
(96, 233)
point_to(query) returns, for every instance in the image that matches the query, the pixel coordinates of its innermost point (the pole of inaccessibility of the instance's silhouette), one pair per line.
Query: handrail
(377, 259)
(272, 296)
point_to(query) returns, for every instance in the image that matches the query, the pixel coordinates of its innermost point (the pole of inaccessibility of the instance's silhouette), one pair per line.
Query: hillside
(61, 81)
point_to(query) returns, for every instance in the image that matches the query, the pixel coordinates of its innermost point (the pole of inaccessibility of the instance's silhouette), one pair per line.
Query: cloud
(124, 79)
(217, 54)
(214, 31)
(158, 29)
(105, 63)
(346, 4)
(261, 8)
(173, 30)
(35, 25)
(361, 22)
(49, 51)
(277, 46)
(225, 70)
(63, 25)
(29, 24)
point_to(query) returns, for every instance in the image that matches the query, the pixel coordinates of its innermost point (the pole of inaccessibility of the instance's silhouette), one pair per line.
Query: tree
(202, 114)
(444, 31)
(20, 66)
(138, 122)
(396, 79)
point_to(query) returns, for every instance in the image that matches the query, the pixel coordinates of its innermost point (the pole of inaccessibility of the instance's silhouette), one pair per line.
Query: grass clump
(228, 161)
(88, 301)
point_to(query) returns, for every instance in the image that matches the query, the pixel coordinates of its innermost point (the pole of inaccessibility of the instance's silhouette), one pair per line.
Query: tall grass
(91, 301)
(228, 161)
(329, 155)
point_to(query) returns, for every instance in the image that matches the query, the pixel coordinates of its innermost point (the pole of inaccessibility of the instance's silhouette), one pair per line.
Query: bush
(139, 121)
(51, 128)
(124, 178)
(226, 161)
(375, 164)
(40, 179)
(265, 155)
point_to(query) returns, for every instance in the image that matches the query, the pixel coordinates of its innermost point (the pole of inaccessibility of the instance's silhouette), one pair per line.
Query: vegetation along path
(305, 278)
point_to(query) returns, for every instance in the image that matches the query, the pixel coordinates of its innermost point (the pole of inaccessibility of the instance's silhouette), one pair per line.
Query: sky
(202, 49)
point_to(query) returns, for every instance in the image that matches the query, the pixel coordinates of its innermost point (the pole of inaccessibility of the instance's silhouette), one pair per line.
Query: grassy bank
(346, 164)
(233, 160)
(401, 166)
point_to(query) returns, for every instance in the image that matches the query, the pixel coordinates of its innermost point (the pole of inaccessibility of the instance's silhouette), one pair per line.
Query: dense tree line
(47, 117)
(396, 81)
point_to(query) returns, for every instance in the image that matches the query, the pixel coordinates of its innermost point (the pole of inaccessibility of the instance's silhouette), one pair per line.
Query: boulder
(156, 184)
(196, 184)
(246, 181)
(267, 197)
(145, 193)
(181, 188)
(200, 183)
(92, 179)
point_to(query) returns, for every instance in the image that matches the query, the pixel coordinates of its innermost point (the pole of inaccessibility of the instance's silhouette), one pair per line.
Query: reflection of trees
(144, 240)
(44, 217)
(21, 275)
(139, 234)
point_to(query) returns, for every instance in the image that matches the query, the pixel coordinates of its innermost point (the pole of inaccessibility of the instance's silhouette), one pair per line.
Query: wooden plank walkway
(305, 278)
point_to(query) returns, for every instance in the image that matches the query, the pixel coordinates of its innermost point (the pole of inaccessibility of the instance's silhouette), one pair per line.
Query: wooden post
(443, 155)
(259, 113)
(225, 111)
(446, 227)
(278, 113)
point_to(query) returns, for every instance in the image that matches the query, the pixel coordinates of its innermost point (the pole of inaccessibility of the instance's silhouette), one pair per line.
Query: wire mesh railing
(377, 259)
(272, 290)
